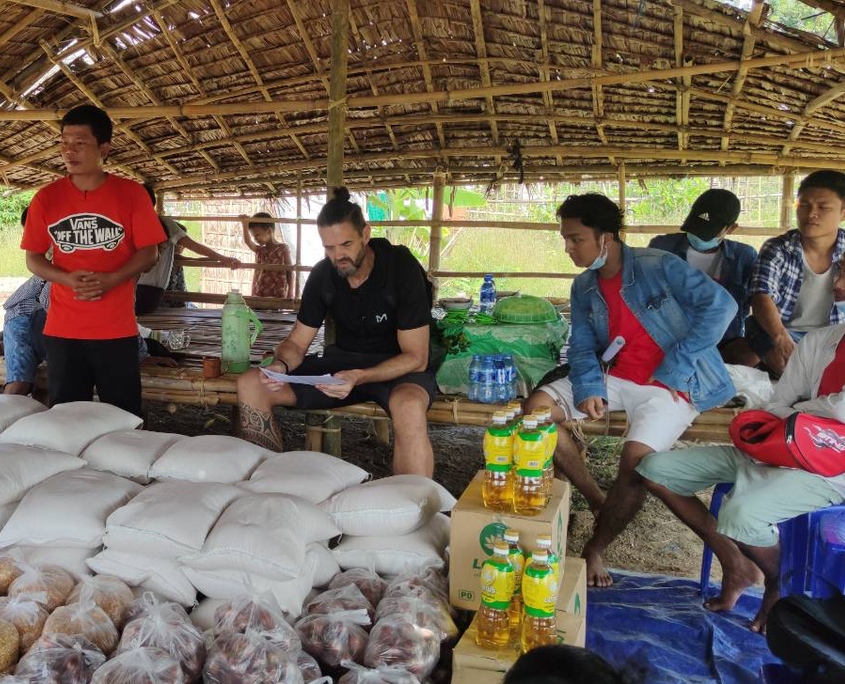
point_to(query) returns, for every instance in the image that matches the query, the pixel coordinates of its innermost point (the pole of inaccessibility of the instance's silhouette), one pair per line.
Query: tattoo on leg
(262, 429)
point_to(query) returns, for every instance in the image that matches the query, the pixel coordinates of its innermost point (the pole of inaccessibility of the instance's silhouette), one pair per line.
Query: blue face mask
(700, 245)
(840, 307)
(600, 260)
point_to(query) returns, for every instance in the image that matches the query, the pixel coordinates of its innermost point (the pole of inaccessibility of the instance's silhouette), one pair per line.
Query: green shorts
(762, 495)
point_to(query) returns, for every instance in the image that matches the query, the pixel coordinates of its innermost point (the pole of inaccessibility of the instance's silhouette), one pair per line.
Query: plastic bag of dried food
(47, 584)
(332, 601)
(60, 659)
(381, 675)
(10, 645)
(259, 613)
(148, 604)
(183, 641)
(428, 612)
(26, 615)
(333, 638)
(140, 666)
(308, 666)
(371, 585)
(250, 658)
(111, 594)
(11, 562)
(428, 579)
(85, 619)
(395, 642)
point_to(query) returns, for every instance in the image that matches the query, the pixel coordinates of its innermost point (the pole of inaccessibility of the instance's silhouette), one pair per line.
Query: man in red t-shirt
(103, 233)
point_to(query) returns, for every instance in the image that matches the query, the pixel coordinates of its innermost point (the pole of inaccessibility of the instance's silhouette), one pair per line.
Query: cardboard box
(472, 664)
(475, 528)
(572, 597)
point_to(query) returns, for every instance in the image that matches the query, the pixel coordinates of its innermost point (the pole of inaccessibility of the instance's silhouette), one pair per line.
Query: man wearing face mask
(703, 244)
(671, 317)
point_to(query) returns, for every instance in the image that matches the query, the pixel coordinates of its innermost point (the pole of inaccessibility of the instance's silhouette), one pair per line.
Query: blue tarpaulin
(656, 626)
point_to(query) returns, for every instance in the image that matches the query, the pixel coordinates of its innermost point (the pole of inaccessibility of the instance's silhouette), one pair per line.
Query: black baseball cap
(711, 213)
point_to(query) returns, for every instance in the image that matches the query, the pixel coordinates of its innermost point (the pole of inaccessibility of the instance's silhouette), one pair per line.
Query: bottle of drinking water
(487, 296)
(487, 391)
(502, 383)
(475, 365)
(513, 379)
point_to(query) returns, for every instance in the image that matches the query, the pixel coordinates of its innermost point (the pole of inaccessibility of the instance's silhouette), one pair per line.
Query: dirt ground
(655, 542)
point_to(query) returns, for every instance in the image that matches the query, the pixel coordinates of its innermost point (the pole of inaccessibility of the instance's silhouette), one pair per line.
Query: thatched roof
(232, 96)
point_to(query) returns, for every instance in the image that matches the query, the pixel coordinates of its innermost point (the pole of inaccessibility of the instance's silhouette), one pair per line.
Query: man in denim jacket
(671, 317)
(703, 243)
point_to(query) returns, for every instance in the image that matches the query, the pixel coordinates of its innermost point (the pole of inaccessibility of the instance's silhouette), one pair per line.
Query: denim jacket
(685, 312)
(734, 274)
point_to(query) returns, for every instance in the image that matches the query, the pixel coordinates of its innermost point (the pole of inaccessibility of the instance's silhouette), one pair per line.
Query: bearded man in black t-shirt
(377, 295)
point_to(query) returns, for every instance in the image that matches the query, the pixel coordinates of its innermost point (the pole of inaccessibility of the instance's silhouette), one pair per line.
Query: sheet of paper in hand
(302, 379)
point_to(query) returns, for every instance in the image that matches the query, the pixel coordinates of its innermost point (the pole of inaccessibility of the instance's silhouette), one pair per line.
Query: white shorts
(654, 417)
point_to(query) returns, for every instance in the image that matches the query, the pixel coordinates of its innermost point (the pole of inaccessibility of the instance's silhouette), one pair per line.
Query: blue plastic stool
(798, 546)
(827, 577)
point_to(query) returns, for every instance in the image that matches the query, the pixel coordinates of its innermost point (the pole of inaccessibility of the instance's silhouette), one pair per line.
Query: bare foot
(770, 596)
(597, 576)
(734, 582)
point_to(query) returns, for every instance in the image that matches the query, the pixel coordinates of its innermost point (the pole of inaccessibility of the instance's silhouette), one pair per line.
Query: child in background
(260, 238)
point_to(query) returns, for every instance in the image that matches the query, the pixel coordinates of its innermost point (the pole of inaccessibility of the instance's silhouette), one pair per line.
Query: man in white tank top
(792, 284)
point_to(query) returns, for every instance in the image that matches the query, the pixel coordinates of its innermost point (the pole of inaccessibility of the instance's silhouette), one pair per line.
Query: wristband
(287, 368)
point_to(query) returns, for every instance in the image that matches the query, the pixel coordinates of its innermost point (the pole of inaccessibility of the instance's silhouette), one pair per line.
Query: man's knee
(740, 519)
(249, 386)
(537, 399)
(408, 397)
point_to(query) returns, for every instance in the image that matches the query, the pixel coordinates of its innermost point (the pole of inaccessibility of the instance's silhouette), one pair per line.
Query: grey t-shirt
(159, 275)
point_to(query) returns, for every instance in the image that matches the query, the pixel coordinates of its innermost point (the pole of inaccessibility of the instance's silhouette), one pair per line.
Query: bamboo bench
(186, 385)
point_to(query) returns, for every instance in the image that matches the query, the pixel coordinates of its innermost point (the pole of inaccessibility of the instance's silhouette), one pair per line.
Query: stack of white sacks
(213, 514)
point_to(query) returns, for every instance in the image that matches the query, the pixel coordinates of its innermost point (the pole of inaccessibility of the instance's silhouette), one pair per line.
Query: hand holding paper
(302, 379)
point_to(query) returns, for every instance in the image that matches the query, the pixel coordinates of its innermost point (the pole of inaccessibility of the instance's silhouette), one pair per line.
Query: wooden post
(337, 91)
(787, 200)
(334, 170)
(296, 274)
(621, 180)
(436, 236)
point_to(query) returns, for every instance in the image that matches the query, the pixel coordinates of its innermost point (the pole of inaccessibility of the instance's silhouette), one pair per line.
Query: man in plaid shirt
(792, 282)
(23, 334)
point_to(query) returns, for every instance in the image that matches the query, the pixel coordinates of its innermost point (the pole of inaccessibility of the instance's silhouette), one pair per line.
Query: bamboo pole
(337, 92)
(296, 276)
(786, 201)
(435, 239)
(805, 59)
(61, 7)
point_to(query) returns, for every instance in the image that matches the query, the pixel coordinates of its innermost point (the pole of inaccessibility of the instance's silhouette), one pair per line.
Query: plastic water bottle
(512, 378)
(497, 585)
(474, 389)
(235, 337)
(502, 383)
(487, 296)
(517, 557)
(497, 487)
(539, 594)
(529, 493)
(487, 393)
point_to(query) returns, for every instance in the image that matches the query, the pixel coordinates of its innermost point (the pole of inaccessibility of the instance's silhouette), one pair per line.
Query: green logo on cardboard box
(490, 534)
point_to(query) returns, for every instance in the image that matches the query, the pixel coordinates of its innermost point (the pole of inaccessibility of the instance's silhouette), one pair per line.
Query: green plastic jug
(235, 336)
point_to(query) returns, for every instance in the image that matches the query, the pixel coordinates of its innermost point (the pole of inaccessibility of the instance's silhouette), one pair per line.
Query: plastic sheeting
(657, 628)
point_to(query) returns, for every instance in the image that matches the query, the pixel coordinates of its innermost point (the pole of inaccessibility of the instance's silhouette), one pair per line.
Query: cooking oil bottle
(517, 558)
(497, 585)
(547, 426)
(544, 542)
(529, 496)
(539, 593)
(497, 488)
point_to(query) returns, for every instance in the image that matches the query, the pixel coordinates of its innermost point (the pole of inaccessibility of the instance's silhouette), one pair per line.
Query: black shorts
(334, 360)
(76, 367)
